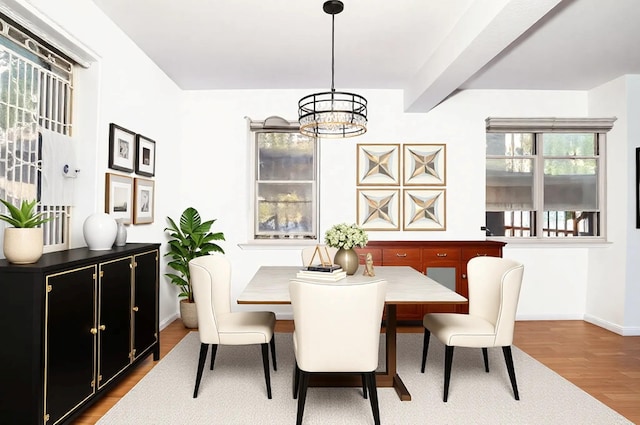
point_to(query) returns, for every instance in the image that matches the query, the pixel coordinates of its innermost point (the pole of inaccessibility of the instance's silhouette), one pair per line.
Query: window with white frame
(35, 92)
(285, 189)
(545, 177)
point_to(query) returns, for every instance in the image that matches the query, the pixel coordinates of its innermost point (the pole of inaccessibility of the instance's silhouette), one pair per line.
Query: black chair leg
(425, 348)
(214, 350)
(265, 363)
(296, 380)
(364, 385)
(508, 358)
(448, 359)
(485, 356)
(203, 357)
(272, 343)
(373, 390)
(302, 395)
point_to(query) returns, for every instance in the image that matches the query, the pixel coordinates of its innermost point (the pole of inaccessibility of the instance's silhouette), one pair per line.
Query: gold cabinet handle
(401, 255)
(481, 255)
(93, 331)
(135, 308)
(441, 254)
(102, 327)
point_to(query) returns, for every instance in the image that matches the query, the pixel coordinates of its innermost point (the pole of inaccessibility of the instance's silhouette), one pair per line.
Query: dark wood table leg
(392, 379)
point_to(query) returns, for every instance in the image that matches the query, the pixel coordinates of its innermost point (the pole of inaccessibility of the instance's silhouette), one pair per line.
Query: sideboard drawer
(401, 257)
(375, 253)
(440, 254)
(469, 253)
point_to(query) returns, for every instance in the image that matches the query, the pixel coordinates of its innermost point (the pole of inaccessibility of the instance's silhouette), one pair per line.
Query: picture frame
(145, 156)
(118, 202)
(121, 148)
(424, 164)
(637, 188)
(378, 209)
(424, 209)
(378, 165)
(143, 201)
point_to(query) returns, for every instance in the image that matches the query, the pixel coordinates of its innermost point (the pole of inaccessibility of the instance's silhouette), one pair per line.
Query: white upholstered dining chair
(217, 325)
(308, 254)
(494, 290)
(337, 330)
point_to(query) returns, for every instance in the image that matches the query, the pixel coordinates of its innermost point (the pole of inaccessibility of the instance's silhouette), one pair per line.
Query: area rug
(234, 392)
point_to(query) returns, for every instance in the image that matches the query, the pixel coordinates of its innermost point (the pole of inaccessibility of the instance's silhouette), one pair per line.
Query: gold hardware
(480, 255)
(401, 255)
(49, 288)
(441, 255)
(46, 417)
(101, 273)
(93, 331)
(93, 384)
(464, 275)
(135, 264)
(135, 308)
(99, 378)
(102, 327)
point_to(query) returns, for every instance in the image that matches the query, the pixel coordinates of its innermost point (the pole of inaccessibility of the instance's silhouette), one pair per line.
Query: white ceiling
(428, 48)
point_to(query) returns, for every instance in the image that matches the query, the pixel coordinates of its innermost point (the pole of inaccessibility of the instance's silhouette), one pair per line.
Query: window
(35, 92)
(545, 177)
(285, 192)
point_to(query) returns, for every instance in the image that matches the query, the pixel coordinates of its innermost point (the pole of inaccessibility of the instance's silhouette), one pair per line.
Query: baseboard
(573, 316)
(613, 327)
(166, 322)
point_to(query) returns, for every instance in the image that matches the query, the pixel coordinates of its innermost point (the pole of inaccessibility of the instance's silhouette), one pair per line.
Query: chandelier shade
(332, 114)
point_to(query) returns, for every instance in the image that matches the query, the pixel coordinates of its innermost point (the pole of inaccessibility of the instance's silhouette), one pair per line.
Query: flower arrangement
(346, 236)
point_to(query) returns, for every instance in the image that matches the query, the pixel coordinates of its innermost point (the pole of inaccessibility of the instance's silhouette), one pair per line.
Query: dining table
(405, 285)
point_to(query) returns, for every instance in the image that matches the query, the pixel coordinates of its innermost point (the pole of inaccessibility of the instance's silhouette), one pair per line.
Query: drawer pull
(481, 255)
(401, 255)
(441, 254)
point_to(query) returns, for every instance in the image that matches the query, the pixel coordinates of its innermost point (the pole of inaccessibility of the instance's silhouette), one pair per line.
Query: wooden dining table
(405, 285)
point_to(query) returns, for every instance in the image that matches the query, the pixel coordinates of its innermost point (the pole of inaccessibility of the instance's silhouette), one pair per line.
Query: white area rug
(234, 392)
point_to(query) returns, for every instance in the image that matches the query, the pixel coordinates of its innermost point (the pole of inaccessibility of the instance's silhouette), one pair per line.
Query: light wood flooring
(602, 363)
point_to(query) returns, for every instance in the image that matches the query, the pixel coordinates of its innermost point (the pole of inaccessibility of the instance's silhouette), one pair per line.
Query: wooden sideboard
(443, 261)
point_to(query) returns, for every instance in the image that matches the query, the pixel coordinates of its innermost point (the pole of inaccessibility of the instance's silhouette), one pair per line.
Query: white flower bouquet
(346, 236)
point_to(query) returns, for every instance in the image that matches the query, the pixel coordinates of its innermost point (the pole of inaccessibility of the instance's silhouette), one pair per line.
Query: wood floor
(603, 364)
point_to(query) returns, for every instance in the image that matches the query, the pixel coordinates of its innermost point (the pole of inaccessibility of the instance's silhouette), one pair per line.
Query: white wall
(202, 161)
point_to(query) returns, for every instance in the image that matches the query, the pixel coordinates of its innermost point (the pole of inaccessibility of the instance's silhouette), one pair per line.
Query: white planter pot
(100, 231)
(23, 245)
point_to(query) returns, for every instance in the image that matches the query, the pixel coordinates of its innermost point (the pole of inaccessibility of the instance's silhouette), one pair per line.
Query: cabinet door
(114, 319)
(442, 264)
(69, 340)
(145, 327)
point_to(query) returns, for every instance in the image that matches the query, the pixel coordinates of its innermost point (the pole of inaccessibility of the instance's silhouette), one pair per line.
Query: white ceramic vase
(100, 231)
(23, 245)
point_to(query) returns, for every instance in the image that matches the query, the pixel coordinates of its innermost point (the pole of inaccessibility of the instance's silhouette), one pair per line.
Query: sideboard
(443, 261)
(72, 324)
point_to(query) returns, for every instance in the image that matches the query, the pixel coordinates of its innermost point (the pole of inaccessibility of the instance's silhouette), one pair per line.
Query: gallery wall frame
(118, 200)
(143, 201)
(378, 164)
(424, 164)
(378, 209)
(424, 209)
(145, 156)
(121, 148)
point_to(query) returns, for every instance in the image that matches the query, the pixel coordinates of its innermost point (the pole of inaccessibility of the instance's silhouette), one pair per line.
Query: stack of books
(332, 273)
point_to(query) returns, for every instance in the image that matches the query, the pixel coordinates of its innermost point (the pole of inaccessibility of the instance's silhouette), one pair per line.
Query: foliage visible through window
(544, 184)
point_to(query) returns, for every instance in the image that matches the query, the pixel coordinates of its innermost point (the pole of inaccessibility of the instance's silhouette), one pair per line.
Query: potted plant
(23, 242)
(192, 238)
(345, 237)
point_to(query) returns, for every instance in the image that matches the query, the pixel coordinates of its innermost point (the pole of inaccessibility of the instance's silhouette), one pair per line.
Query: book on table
(333, 276)
(323, 268)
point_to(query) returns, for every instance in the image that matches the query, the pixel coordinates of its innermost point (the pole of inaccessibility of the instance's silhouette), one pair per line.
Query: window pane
(285, 156)
(510, 223)
(510, 144)
(566, 144)
(285, 208)
(509, 184)
(571, 223)
(570, 184)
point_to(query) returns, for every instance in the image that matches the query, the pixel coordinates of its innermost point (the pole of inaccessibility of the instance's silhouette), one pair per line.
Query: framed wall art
(424, 165)
(119, 197)
(145, 156)
(424, 209)
(378, 165)
(379, 209)
(143, 201)
(121, 148)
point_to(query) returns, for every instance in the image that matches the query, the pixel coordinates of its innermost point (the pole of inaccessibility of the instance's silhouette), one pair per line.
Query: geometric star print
(425, 208)
(378, 208)
(378, 163)
(425, 164)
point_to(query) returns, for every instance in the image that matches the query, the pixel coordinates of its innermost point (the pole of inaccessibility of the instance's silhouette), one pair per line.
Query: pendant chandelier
(332, 114)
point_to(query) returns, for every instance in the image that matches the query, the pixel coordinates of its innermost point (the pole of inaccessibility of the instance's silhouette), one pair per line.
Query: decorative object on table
(145, 156)
(424, 209)
(332, 114)
(345, 237)
(118, 197)
(100, 231)
(143, 201)
(121, 148)
(368, 266)
(378, 209)
(191, 239)
(327, 276)
(378, 165)
(324, 257)
(23, 243)
(121, 234)
(424, 165)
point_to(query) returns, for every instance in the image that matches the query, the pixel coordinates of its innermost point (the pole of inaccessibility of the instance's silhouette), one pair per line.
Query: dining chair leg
(364, 385)
(425, 348)
(373, 390)
(214, 350)
(203, 357)
(485, 356)
(296, 380)
(508, 358)
(265, 363)
(272, 343)
(448, 360)
(302, 395)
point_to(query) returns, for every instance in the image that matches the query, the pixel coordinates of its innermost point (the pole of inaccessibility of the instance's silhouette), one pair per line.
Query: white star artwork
(378, 165)
(424, 165)
(379, 209)
(424, 209)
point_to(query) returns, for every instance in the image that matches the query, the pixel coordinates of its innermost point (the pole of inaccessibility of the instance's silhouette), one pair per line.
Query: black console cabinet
(71, 325)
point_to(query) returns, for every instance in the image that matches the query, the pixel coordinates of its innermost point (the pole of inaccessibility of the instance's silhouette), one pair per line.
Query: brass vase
(347, 259)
